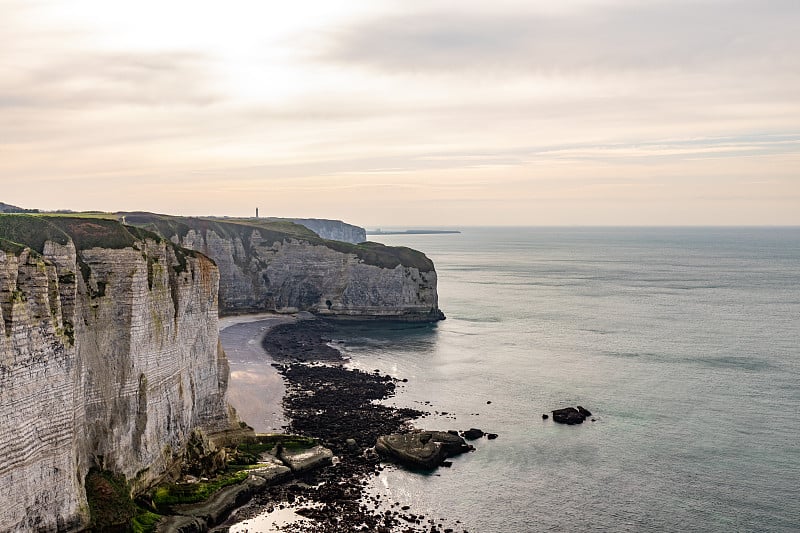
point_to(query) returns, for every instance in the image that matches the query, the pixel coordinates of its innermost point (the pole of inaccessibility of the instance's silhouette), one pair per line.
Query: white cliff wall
(108, 358)
(333, 229)
(40, 484)
(293, 275)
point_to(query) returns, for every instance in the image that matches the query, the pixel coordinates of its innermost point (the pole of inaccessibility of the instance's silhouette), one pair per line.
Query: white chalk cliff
(333, 229)
(109, 358)
(109, 342)
(283, 267)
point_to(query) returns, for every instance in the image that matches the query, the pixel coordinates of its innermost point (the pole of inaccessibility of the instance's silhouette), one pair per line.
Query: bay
(683, 342)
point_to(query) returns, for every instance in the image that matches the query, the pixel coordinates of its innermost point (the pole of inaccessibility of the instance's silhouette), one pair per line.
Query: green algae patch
(145, 522)
(249, 452)
(171, 494)
(111, 507)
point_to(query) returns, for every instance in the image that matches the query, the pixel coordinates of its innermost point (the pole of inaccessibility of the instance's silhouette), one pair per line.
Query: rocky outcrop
(305, 459)
(421, 449)
(571, 415)
(334, 230)
(283, 267)
(109, 358)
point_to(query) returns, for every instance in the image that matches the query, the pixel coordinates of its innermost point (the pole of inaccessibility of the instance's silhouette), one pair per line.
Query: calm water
(685, 344)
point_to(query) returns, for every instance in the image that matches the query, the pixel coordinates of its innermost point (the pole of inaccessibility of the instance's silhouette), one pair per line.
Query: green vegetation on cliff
(272, 231)
(111, 507)
(85, 231)
(104, 230)
(30, 230)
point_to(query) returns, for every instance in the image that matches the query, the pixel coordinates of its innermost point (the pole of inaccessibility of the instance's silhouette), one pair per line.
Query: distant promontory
(410, 232)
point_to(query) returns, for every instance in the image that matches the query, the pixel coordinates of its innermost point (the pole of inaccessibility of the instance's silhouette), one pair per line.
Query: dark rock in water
(472, 434)
(489, 402)
(421, 449)
(491, 436)
(568, 415)
(584, 412)
(545, 417)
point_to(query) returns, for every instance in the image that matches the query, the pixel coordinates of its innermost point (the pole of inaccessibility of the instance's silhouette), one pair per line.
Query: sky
(406, 113)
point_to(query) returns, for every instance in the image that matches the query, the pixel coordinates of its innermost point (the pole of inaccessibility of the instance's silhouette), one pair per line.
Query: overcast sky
(414, 112)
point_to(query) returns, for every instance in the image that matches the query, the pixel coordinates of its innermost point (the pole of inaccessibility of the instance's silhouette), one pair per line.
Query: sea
(684, 343)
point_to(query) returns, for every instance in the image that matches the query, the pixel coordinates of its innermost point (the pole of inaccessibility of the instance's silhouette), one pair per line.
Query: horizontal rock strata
(109, 358)
(280, 266)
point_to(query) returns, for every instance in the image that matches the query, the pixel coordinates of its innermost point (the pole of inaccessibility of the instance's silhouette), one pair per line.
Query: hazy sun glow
(406, 113)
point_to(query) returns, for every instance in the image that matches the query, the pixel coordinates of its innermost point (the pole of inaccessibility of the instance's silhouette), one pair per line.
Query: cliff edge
(109, 358)
(272, 265)
(335, 230)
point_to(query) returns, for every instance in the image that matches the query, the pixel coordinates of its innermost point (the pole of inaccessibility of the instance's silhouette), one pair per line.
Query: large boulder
(202, 458)
(421, 449)
(472, 434)
(568, 415)
(305, 459)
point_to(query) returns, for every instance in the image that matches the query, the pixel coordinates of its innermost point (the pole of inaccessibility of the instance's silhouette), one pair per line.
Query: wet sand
(255, 388)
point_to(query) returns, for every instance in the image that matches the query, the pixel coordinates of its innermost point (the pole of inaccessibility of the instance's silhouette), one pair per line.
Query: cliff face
(109, 357)
(335, 230)
(272, 266)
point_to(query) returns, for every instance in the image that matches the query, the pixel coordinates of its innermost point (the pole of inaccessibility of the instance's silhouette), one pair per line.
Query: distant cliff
(8, 208)
(333, 229)
(109, 358)
(271, 265)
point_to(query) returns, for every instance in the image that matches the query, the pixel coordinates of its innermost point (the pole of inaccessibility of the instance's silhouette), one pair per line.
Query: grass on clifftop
(34, 230)
(86, 230)
(29, 230)
(273, 231)
(102, 230)
(167, 226)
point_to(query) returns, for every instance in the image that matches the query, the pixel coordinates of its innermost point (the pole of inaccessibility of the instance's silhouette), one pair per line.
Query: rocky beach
(325, 400)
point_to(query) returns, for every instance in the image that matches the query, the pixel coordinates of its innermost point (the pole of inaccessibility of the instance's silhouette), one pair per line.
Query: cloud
(92, 79)
(620, 36)
(46, 66)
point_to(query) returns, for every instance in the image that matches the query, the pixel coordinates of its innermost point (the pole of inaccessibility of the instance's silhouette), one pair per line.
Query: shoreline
(338, 406)
(228, 321)
(255, 389)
